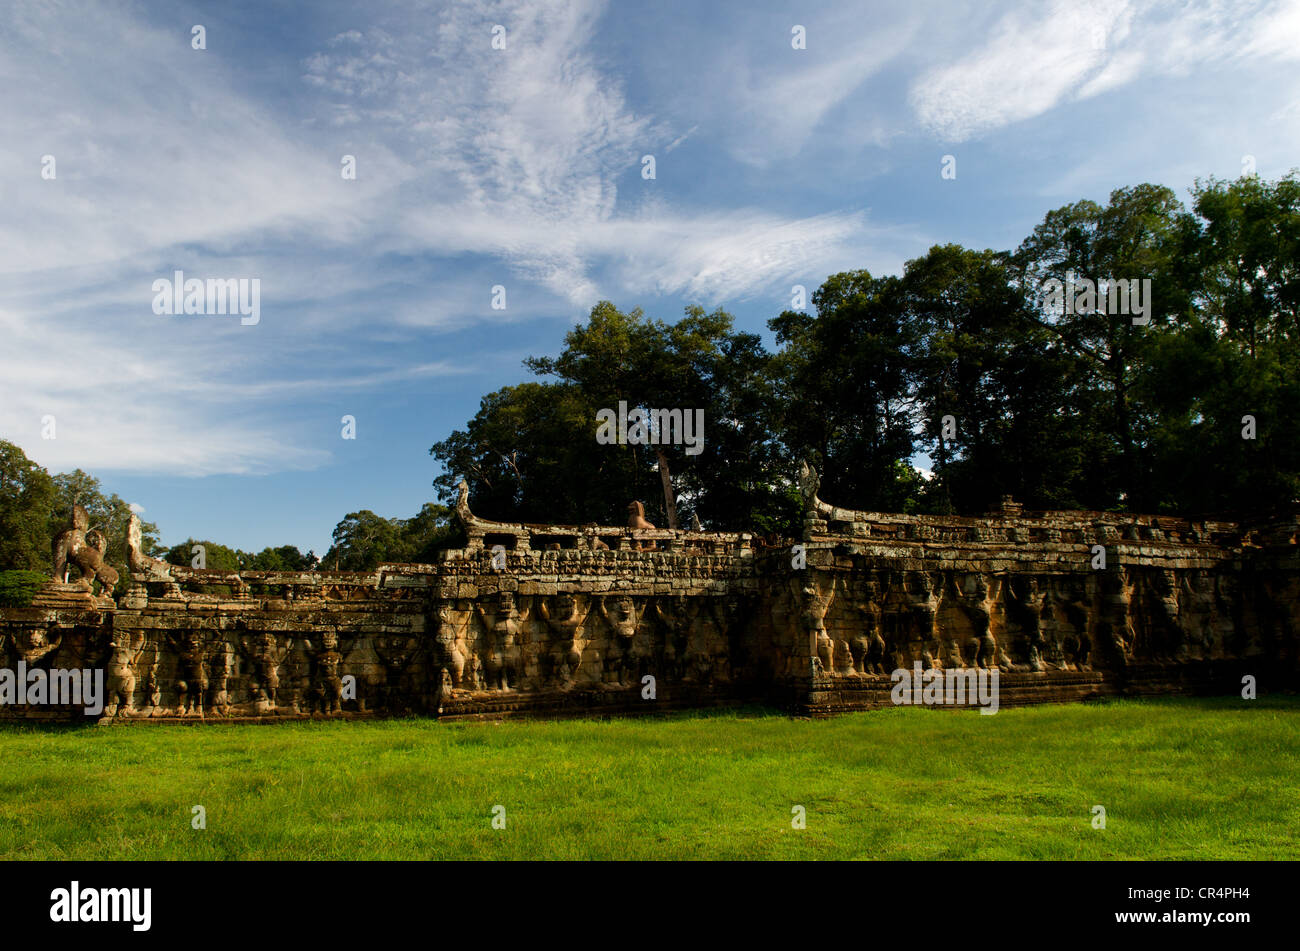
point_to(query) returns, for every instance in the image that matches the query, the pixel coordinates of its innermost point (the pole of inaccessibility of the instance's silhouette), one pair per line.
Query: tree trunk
(670, 503)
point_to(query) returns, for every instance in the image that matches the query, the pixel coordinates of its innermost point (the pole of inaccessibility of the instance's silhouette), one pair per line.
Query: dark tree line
(1061, 405)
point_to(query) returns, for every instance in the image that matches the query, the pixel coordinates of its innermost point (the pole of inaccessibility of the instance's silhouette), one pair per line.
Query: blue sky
(522, 167)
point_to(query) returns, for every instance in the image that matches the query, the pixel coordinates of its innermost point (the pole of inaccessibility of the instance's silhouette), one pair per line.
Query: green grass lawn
(1179, 779)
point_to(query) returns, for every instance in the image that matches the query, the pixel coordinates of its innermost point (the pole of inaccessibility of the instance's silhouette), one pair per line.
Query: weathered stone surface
(590, 619)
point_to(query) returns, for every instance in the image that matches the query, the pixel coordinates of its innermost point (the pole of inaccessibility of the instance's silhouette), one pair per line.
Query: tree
(215, 557)
(430, 531)
(532, 454)
(283, 558)
(529, 455)
(27, 495)
(108, 513)
(618, 359)
(1236, 355)
(1002, 381)
(1137, 236)
(844, 390)
(363, 540)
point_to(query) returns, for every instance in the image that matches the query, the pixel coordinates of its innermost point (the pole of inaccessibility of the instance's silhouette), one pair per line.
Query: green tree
(532, 454)
(1138, 235)
(432, 529)
(27, 495)
(362, 540)
(215, 557)
(700, 366)
(844, 393)
(529, 455)
(1236, 354)
(1005, 381)
(283, 558)
(108, 513)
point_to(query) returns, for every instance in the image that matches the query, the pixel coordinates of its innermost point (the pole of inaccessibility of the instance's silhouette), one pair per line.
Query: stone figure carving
(445, 689)
(1201, 626)
(706, 651)
(224, 658)
(816, 604)
(675, 620)
(1168, 641)
(868, 646)
(30, 644)
(502, 657)
(623, 657)
(1031, 606)
(731, 615)
(949, 639)
(396, 653)
(1076, 605)
(809, 485)
(192, 671)
(983, 641)
(120, 675)
(566, 619)
(363, 663)
(137, 561)
(925, 614)
(69, 542)
(153, 686)
(636, 516)
(329, 684)
(267, 655)
(860, 641)
(450, 626)
(1117, 619)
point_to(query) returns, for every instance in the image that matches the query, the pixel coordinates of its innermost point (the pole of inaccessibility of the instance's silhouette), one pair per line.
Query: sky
(128, 154)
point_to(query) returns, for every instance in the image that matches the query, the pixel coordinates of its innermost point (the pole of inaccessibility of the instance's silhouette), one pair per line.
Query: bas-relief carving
(698, 612)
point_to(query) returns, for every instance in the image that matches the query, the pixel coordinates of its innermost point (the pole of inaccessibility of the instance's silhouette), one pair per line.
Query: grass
(1179, 779)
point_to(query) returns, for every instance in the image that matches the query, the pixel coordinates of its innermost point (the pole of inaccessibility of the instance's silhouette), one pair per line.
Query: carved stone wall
(556, 620)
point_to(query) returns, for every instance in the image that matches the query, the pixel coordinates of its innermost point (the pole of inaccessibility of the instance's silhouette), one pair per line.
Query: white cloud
(1034, 61)
(460, 149)
(778, 102)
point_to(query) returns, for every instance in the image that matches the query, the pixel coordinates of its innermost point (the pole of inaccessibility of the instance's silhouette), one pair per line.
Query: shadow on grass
(751, 711)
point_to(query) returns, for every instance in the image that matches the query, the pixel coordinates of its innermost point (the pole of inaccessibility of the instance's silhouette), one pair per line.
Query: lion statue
(84, 548)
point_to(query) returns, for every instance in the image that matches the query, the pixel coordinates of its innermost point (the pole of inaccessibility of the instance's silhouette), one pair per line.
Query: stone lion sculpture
(636, 520)
(84, 548)
(69, 542)
(636, 516)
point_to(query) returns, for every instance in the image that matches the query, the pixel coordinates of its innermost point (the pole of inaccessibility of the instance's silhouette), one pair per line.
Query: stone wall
(549, 620)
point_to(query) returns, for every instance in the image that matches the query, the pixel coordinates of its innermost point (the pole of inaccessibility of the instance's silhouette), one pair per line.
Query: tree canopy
(1168, 390)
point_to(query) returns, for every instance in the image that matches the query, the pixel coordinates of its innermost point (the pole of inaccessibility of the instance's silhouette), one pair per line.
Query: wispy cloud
(1036, 58)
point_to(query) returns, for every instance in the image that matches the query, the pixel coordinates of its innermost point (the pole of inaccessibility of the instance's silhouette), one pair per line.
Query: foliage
(108, 514)
(364, 540)
(1070, 407)
(26, 498)
(17, 588)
